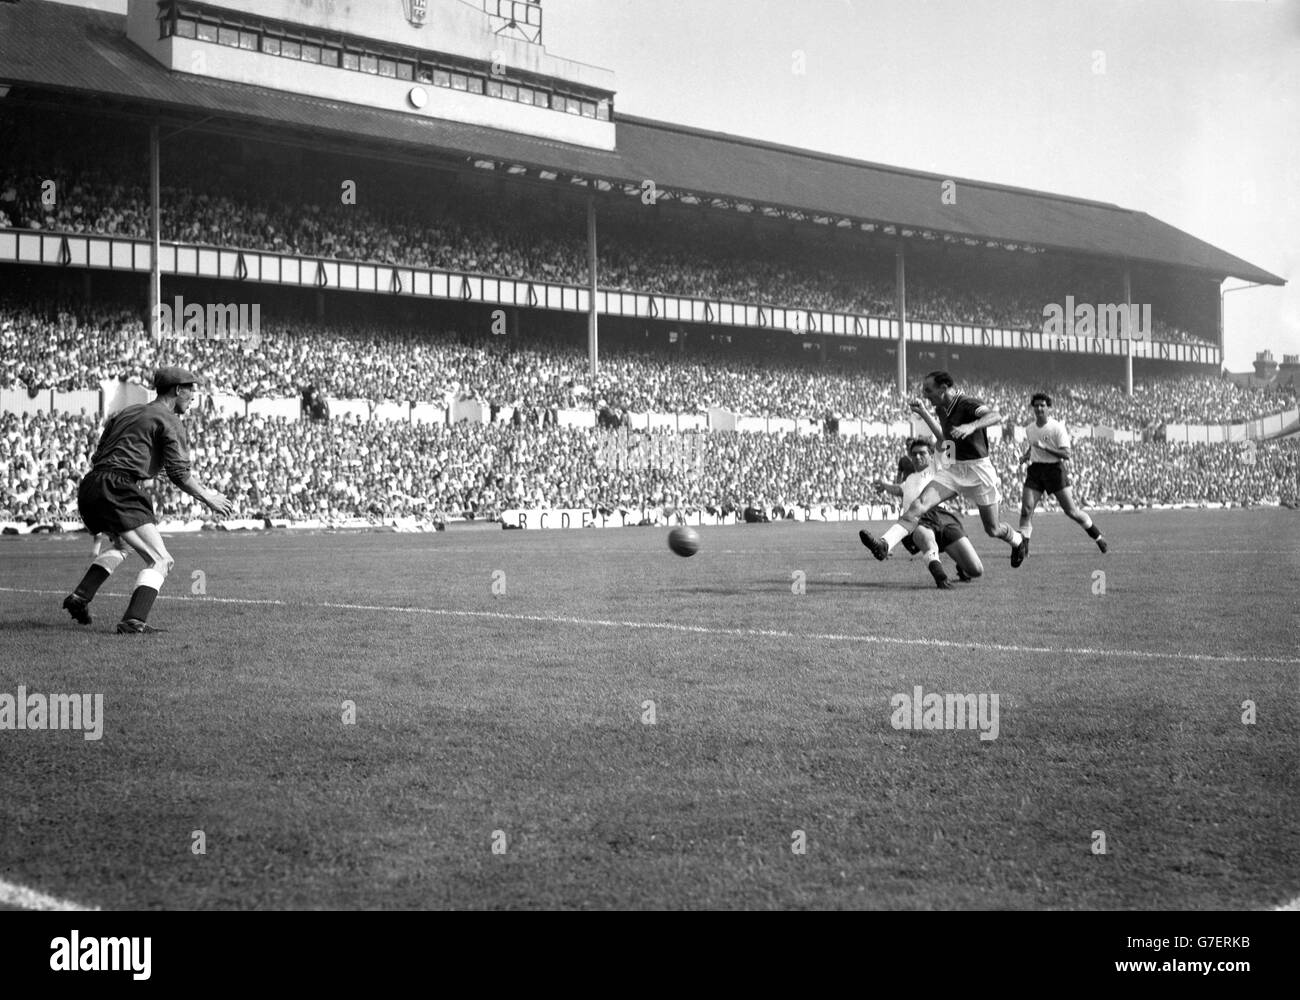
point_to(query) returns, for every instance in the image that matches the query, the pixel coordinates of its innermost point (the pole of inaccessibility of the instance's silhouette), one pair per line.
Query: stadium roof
(72, 51)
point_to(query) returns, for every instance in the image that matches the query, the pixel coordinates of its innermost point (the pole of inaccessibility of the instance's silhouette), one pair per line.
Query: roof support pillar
(1223, 350)
(592, 339)
(155, 234)
(1128, 341)
(900, 306)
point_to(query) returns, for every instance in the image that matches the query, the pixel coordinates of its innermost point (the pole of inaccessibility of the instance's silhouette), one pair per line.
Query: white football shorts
(975, 479)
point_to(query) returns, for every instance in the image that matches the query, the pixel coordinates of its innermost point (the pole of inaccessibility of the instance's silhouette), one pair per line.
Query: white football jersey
(914, 484)
(1053, 434)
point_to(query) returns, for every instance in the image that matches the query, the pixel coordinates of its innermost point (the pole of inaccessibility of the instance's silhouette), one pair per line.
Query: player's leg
(933, 495)
(967, 559)
(993, 524)
(1079, 516)
(108, 554)
(147, 541)
(1029, 500)
(995, 527)
(928, 546)
(982, 489)
(979, 485)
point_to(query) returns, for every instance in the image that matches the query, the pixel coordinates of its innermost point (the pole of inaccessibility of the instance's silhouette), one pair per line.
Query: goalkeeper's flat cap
(167, 378)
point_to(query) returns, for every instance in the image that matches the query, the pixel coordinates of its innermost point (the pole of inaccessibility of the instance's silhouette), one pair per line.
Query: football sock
(100, 570)
(145, 593)
(1026, 529)
(895, 534)
(90, 583)
(1015, 538)
(1092, 530)
(142, 599)
(936, 570)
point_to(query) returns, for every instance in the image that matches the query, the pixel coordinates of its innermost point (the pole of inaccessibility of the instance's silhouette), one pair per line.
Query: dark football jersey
(142, 439)
(965, 410)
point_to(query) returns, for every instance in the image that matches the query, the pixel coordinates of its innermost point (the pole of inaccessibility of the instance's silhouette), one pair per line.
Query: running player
(964, 466)
(136, 443)
(1048, 451)
(939, 530)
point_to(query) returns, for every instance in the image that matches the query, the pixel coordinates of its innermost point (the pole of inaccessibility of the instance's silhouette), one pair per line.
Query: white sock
(1027, 530)
(895, 534)
(110, 560)
(1015, 537)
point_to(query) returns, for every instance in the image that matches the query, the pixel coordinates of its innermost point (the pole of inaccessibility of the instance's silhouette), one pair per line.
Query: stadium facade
(467, 90)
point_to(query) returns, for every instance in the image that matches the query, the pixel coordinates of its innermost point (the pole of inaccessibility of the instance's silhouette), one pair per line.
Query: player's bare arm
(988, 420)
(918, 407)
(219, 503)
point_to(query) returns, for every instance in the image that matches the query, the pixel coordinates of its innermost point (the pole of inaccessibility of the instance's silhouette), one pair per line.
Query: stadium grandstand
(431, 274)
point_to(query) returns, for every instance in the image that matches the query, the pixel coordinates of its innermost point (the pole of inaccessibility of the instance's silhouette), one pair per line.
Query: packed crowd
(495, 240)
(1137, 474)
(530, 239)
(379, 471)
(44, 347)
(1187, 399)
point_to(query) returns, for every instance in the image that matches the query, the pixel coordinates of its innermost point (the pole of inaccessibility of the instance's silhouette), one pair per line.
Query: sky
(1188, 110)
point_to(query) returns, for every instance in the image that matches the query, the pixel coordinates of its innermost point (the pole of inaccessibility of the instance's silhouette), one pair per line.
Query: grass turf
(522, 713)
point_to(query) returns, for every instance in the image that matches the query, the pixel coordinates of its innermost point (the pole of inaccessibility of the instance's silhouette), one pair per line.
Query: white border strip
(29, 899)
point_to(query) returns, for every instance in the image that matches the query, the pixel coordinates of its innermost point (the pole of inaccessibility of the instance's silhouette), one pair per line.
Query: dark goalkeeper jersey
(140, 440)
(965, 410)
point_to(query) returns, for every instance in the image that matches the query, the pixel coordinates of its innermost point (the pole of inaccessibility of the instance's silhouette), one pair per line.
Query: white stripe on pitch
(1132, 654)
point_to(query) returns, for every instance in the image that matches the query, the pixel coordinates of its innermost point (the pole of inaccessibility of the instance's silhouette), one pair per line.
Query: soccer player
(964, 466)
(1048, 451)
(135, 444)
(938, 530)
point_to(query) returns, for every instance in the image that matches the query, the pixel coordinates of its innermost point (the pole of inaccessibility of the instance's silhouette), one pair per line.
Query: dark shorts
(112, 502)
(945, 525)
(1046, 477)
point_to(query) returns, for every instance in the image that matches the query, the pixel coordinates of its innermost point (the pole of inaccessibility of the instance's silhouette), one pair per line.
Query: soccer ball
(684, 541)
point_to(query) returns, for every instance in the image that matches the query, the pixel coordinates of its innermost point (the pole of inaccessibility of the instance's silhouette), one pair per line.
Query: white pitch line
(741, 632)
(29, 899)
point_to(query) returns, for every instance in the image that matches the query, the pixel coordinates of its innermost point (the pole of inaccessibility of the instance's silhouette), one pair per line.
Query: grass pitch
(519, 719)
